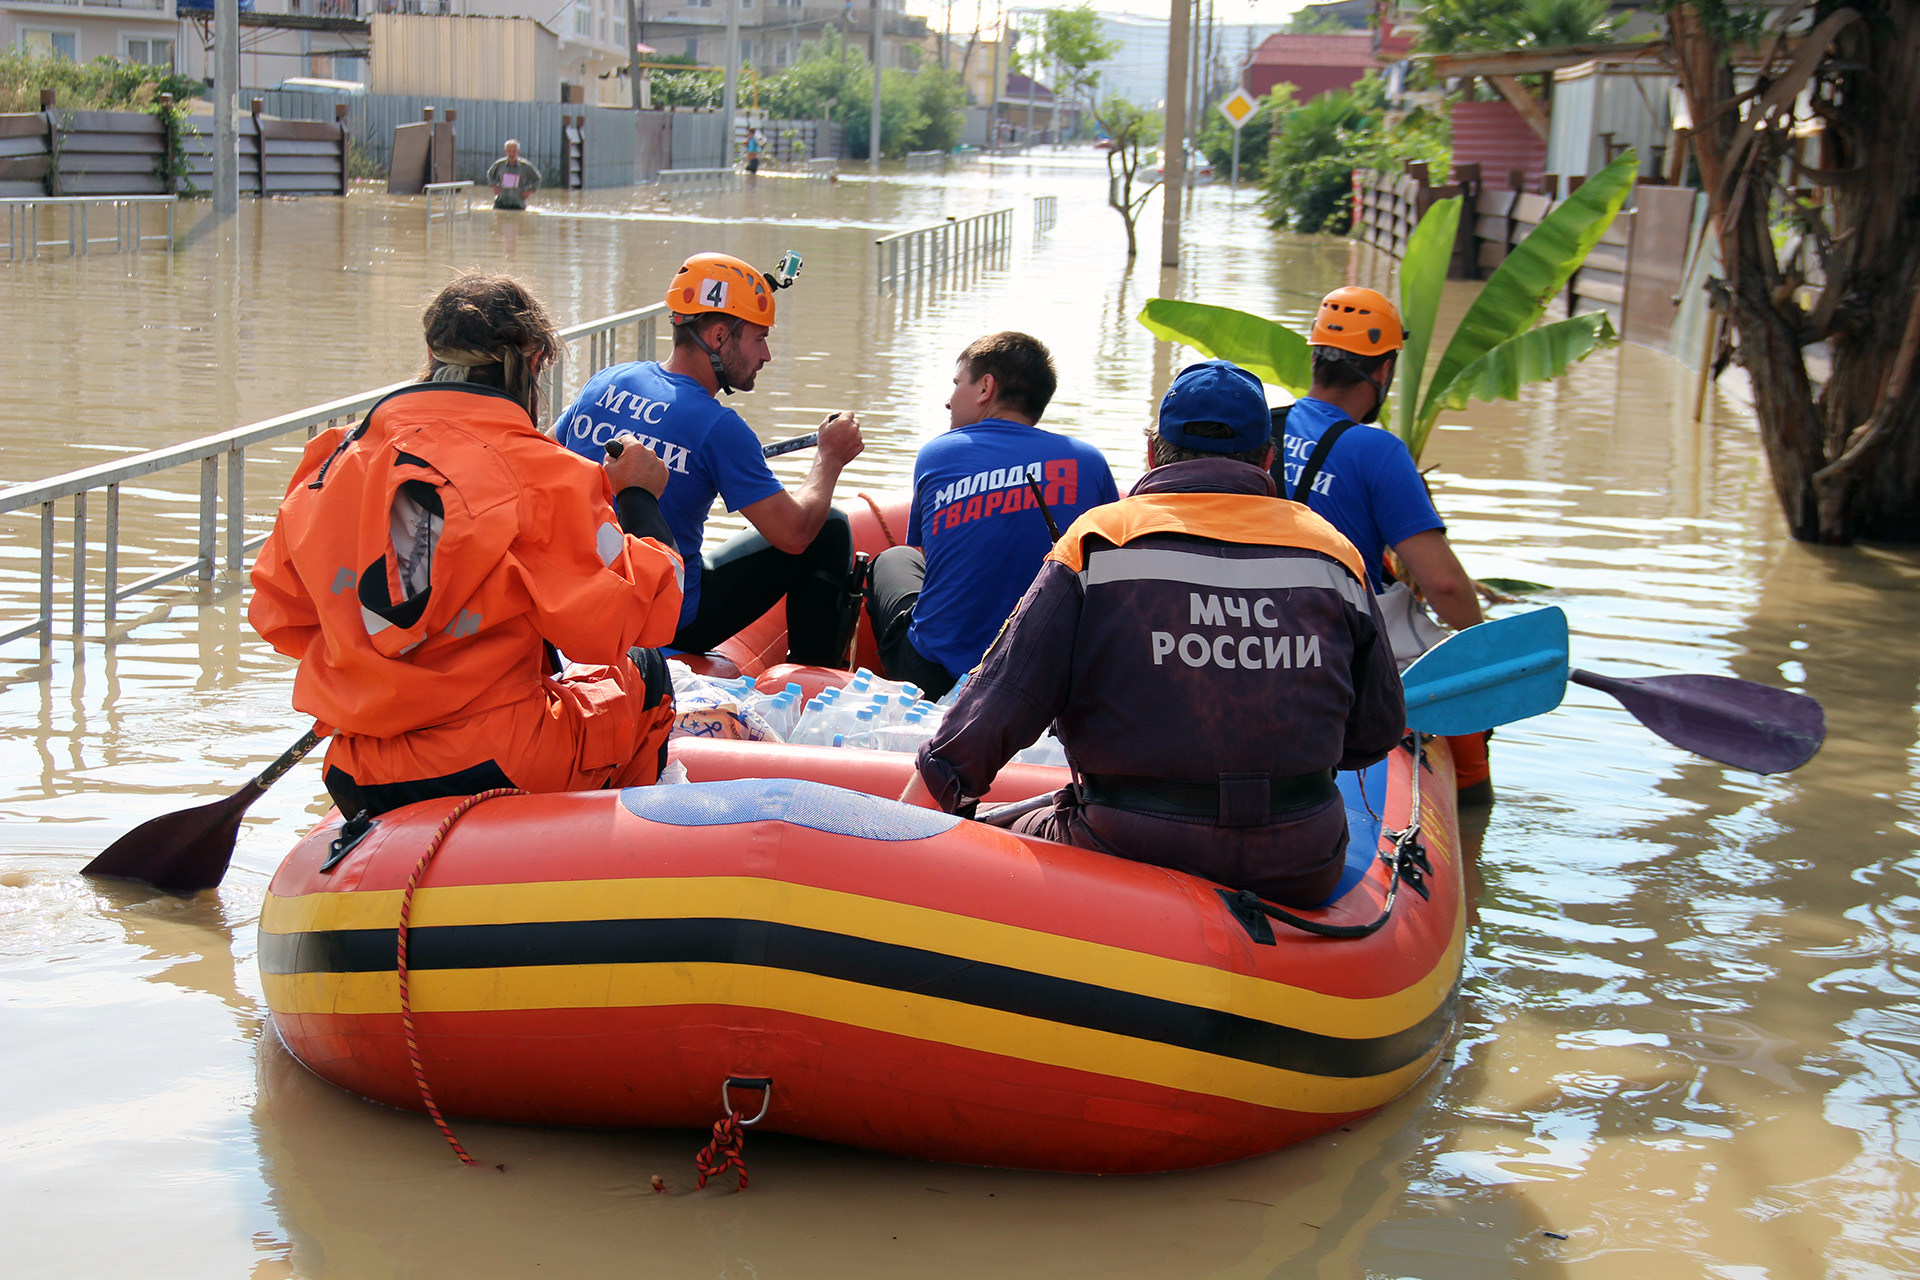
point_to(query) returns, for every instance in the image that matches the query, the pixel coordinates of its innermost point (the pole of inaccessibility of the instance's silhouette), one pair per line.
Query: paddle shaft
(1045, 514)
(774, 450)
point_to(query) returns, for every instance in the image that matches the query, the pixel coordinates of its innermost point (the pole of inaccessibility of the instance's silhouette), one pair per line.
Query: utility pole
(730, 97)
(873, 127)
(226, 90)
(993, 92)
(946, 41)
(1173, 158)
(633, 54)
(1033, 87)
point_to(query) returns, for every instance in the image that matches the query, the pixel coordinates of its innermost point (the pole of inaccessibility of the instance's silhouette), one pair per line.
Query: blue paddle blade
(1489, 675)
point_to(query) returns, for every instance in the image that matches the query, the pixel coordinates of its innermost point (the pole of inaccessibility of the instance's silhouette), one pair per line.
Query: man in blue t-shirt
(976, 535)
(1365, 483)
(799, 547)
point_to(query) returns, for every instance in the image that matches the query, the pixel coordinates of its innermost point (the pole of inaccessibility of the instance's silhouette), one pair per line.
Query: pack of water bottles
(869, 711)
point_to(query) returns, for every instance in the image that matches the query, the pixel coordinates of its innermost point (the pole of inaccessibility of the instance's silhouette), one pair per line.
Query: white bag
(1410, 628)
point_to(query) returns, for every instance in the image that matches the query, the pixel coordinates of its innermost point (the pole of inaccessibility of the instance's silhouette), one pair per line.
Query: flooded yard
(1689, 1027)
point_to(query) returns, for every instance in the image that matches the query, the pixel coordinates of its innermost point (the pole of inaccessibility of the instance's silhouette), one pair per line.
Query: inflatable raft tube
(906, 981)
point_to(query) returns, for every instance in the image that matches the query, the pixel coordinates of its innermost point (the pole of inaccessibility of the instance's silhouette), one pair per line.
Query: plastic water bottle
(861, 733)
(1046, 751)
(810, 729)
(952, 695)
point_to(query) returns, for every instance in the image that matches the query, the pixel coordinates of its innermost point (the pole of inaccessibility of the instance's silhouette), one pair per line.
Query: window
(746, 51)
(693, 48)
(153, 51)
(52, 44)
(620, 34)
(582, 18)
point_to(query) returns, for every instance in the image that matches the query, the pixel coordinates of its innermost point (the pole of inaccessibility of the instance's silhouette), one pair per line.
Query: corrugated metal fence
(480, 127)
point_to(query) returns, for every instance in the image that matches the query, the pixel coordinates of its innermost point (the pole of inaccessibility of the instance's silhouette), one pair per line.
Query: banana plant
(1495, 350)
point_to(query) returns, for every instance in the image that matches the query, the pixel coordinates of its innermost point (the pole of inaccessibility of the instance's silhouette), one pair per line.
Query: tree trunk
(1845, 461)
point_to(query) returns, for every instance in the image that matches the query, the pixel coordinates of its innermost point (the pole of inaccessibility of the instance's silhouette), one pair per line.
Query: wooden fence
(57, 152)
(1633, 273)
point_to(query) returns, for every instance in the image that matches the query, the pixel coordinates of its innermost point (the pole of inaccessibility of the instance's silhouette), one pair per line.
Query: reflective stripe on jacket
(399, 626)
(1195, 629)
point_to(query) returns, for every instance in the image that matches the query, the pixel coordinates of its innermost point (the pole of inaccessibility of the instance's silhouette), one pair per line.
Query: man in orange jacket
(426, 563)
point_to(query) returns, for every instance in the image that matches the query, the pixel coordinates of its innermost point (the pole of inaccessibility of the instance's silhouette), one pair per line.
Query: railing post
(80, 565)
(110, 567)
(236, 510)
(209, 510)
(46, 574)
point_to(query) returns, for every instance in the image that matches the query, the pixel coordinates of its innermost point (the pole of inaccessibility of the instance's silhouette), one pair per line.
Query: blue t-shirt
(1368, 488)
(976, 520)
(709, 450)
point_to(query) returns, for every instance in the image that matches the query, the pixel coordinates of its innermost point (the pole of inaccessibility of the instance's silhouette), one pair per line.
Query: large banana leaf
(1535, 270)
(1535, 356)
(1270, 352)
(1423, 277)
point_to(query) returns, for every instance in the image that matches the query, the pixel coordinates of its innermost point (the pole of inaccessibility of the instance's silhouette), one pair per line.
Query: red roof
(1342, 49)
(1017, 87)
(1314, 65)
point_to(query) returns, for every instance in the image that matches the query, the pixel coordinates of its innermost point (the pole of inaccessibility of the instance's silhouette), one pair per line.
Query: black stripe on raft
(874, 964)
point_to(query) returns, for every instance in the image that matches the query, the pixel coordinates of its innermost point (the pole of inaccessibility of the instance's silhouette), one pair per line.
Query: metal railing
(942, 245)
(601, 339)
(129, 233)
(823, 168)
(691, 180)
(921, 161)
(443, 193)
(1046, 212)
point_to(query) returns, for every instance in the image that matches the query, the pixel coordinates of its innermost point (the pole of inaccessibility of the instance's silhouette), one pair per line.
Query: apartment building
(82, 30)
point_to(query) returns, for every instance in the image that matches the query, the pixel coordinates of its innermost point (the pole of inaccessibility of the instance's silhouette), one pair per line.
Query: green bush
(919, 111)
(1216, 137)
(1314, 148)
(105, 84)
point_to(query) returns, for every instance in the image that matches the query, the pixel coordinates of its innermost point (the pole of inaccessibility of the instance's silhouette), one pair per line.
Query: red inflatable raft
(868, 972)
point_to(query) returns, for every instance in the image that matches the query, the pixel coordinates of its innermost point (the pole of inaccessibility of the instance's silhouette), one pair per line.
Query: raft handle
(352, 832)
(763, 1083)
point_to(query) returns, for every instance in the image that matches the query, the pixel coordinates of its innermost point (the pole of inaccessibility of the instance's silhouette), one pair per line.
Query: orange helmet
(1358, 320)
(709, 282)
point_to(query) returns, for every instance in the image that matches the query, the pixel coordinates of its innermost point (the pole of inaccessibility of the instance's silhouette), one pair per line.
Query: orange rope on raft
(724, 1152)
(406, 1004)
(877, 515)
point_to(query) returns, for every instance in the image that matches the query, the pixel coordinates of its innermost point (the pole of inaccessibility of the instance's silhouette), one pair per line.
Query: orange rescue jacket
(527, 548)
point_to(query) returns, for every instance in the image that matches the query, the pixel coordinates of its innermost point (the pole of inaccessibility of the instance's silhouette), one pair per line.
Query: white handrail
(599, 336)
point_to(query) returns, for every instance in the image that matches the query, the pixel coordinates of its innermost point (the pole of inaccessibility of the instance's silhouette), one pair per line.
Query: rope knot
(724, 1152)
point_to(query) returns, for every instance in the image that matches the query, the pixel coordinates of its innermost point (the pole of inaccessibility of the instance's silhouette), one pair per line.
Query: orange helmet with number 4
(709, 282)
(1358, 320)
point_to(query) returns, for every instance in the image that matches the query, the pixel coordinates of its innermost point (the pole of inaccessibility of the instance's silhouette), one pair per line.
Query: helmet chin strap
(713, 357)
(1380, 387)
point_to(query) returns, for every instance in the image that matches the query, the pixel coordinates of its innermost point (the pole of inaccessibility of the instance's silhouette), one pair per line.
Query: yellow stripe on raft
(901, 1013)
(881, 920)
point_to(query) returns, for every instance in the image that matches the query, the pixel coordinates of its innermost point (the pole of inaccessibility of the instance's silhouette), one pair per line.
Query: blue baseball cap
(1220, 393)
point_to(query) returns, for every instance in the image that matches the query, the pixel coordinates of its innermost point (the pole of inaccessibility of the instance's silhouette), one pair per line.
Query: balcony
(150, 6)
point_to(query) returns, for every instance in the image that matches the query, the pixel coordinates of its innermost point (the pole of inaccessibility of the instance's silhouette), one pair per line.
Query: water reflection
(1688, 1038)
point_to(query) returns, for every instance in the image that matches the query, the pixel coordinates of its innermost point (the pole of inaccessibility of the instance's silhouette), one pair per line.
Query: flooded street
(1690, 1023)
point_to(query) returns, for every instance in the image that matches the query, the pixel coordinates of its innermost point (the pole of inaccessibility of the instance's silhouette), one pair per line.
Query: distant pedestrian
(755, 145)
(512, 178)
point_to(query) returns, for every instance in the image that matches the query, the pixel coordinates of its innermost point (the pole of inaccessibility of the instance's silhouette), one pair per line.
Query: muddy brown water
(1688, 1031)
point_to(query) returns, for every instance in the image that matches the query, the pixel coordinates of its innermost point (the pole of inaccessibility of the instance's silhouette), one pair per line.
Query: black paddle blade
(182, 852)
(1737, 722)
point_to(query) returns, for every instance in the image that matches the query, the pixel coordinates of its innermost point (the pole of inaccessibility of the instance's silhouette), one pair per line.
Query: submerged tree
(1845, 456)
(1128, 129)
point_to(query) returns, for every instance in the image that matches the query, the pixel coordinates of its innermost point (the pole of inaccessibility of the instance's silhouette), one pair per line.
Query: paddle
(794, 445)
(188, 851)
(1516, 667)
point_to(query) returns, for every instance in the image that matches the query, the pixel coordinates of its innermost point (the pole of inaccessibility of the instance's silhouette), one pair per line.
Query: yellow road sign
(1238, 107)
